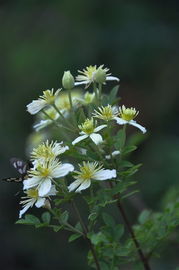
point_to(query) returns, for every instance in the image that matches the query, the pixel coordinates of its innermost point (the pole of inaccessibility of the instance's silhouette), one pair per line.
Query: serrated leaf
(73, 237)
(46, 217)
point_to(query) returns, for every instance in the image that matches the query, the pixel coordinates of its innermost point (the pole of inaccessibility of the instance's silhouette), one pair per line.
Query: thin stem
(130, 229)
(96, 93)
(70, 99)
(100, 92)
(85, 229)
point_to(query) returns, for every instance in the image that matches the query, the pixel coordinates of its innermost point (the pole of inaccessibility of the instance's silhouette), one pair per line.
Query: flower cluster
(38, 184)
(84, 121)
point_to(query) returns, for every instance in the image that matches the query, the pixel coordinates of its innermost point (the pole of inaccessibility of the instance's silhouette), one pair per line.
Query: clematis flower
(43, 173)
(48, 150)
(90, 171)
(106, 113)
(48, 98)
(89, 129)
(34, 198)
(126, 117)
(93, 74)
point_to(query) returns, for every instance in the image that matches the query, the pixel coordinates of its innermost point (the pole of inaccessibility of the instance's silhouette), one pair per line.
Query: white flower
(113, 154)
(126, 117)
(106, 113)
(89, 75)
(48, 150)
(90, 171)
(88, 129)
(41, 176)
(34, 198)
(48, 98)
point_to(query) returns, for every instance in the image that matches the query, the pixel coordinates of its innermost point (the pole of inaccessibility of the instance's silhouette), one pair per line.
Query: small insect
(22, 167)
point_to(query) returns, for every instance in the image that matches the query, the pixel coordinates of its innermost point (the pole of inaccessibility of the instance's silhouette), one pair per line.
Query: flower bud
(100, 75)
(68, 81)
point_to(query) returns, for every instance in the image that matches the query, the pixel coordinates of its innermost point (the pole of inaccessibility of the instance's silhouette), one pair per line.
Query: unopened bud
(68, 81)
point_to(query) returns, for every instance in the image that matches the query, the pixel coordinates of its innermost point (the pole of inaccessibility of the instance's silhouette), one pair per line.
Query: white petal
(63, 149)
(62, 170)
(40, 202)
(84, 185)
(112, 78)
(44, 187)
(96, 138)
(99, 128)
(115, 153)
(74, 185)
(42, 124)
(31, 182)
(25, 208)
(80, 138)
(35, 106)
(121, 121)
(83, 82)
(135, 124)
(52, 191)
(104, 174)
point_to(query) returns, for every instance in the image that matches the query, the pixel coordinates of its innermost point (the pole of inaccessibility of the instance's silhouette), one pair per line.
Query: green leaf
(29, 220)
(56, 228)
(46, 217)
(79, 227)
(64, 217)
(129, 149)
(73, 237)
(108, 220)
(113, 94)
(120, 139)
(97, 238)
(144, 216)
(129, 194)
(118, 231)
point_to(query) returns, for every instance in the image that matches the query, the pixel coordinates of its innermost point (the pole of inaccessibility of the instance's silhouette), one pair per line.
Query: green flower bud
(100, 75)
(68, 81)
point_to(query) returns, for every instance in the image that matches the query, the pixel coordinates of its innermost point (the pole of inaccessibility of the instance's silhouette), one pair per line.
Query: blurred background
(139, 42)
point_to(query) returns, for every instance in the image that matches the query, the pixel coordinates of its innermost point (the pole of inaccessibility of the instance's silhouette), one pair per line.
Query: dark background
(139, 42)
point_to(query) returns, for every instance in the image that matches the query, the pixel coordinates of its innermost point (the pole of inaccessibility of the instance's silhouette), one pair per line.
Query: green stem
(142, 257)
(96, 93)
(85, 229)
(100, 93)
(70, 98)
